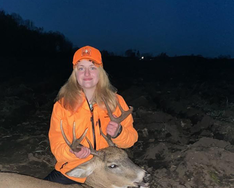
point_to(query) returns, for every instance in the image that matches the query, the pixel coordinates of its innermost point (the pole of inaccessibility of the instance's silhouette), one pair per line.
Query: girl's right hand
(83, 153)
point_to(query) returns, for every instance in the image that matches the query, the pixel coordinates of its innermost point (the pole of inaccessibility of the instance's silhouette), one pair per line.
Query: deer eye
(112, 166)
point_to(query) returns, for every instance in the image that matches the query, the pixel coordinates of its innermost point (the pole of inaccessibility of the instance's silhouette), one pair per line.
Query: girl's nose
(87, 73)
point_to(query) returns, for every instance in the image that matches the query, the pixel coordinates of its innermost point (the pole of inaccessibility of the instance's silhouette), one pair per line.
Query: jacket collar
(85, 103)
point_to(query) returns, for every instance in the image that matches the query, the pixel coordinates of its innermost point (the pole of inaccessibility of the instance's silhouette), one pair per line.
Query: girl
(80, 102)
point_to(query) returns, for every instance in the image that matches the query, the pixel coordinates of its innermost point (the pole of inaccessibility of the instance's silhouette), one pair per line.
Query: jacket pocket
(63, 165)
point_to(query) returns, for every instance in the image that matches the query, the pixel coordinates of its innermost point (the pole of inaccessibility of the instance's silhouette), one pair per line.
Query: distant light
(142, 57)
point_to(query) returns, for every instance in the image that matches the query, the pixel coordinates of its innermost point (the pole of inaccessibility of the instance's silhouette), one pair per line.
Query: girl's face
(87, 74)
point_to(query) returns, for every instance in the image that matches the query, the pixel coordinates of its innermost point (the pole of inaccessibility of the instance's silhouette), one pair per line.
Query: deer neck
(100, 182)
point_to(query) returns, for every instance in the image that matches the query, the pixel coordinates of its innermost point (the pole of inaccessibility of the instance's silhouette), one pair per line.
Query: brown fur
(101, 175)
(12, 180)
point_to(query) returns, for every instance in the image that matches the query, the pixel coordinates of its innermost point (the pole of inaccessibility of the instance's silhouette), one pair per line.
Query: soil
(184, 117)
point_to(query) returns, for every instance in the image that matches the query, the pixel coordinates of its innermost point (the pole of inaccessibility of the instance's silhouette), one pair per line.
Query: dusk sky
(175, 27)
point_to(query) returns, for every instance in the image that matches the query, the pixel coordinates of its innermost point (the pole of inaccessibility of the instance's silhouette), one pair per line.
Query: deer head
(110, 167)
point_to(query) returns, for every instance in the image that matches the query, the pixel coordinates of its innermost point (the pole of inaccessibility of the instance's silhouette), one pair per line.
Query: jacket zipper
(92, 121)
(94, 137)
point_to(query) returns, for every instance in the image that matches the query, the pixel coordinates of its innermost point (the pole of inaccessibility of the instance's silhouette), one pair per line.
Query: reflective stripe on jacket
(82, 117)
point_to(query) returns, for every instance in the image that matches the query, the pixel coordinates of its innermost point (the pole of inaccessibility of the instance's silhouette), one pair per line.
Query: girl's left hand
(112, 128)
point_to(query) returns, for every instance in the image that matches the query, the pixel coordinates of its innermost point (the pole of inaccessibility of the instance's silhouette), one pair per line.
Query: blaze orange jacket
(82, 117)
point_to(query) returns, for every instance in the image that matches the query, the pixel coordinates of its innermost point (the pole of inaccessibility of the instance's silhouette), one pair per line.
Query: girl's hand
(83, 153)
(113, 129)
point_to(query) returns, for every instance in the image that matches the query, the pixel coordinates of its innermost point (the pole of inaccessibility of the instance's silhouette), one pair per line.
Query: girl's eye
(80, 68)
(93, 68)
(113, 166)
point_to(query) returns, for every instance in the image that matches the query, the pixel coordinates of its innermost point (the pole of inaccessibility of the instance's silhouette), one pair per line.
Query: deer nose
(147, 178)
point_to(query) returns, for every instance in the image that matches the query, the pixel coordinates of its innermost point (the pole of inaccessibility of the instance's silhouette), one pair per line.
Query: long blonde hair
(71, 93)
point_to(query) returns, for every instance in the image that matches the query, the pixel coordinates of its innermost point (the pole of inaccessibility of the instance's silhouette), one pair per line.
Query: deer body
(13, 180)
(110, 169)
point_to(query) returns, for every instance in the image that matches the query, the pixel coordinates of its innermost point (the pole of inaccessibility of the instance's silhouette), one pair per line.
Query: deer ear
(82, 170)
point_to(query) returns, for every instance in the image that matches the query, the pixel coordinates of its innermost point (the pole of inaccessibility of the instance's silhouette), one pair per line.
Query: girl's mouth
(87, 79)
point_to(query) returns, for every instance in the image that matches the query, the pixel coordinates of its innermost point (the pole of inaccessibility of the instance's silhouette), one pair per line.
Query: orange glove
(83, 153)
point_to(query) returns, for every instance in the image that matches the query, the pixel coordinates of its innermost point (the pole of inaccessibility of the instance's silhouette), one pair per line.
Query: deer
(109, 168)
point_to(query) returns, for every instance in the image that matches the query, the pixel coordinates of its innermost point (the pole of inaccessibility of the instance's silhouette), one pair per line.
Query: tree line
(20, 38)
